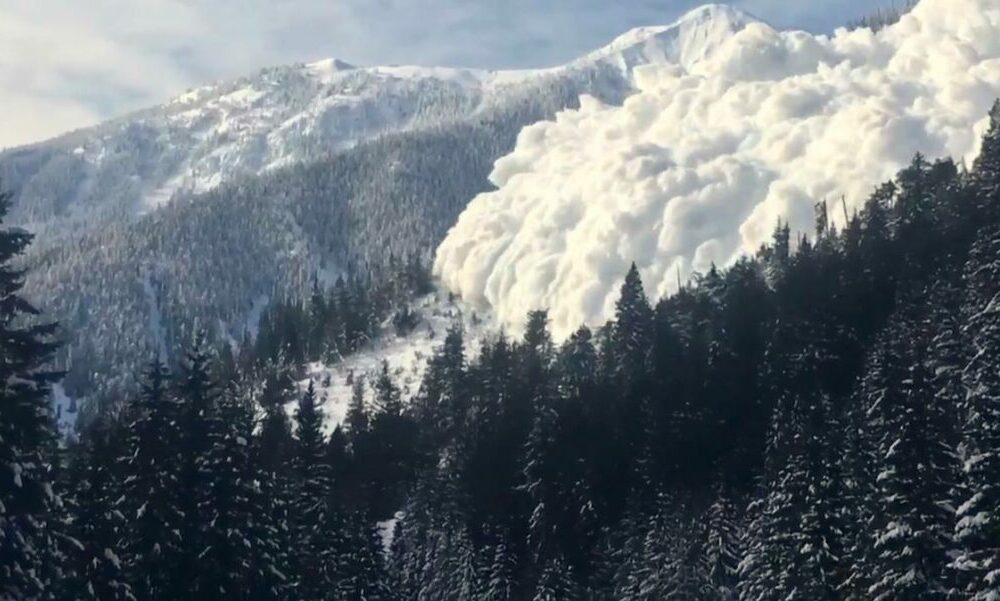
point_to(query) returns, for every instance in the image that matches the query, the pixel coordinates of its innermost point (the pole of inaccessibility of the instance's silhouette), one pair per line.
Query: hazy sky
(70, 63)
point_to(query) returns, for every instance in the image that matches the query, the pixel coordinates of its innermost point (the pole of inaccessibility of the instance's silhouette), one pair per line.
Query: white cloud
(67, 63)
(699, 166)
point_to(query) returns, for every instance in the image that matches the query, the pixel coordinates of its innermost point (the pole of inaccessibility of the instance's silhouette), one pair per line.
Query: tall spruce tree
(241, 547)
(151, 496)
(94, 485)
(197, 397)
(31, 514)
(318, 528)
(915, 476)
(977, 530)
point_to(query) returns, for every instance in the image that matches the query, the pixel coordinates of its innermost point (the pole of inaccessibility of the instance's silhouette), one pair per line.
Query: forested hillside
(195, 214)
(818, 421)
(209, 260)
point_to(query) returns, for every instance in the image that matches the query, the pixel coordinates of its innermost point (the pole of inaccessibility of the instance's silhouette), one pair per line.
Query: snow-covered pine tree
(94, 485)
(240, 546)
(792, 553)
(915, 471)
(557, 582)
(672, 564)
(30, 509)
(197, 397)
(357, 422)
(318, 531)
(723, 548)
(856, 502)
(977, 531)
(360, 562)
(150, 499)
(440, 403)
(499, 573)
(319, 314)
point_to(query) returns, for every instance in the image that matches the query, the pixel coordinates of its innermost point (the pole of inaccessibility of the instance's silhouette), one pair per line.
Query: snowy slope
(406, 356)
(295, 113)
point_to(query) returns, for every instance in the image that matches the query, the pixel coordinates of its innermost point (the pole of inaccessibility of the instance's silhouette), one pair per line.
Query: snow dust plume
(699, 164)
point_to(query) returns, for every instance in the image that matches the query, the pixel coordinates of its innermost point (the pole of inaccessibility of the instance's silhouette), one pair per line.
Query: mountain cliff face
(195, 213)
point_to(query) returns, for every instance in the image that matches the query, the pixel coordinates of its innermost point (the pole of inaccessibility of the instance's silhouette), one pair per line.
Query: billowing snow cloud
(699, 164)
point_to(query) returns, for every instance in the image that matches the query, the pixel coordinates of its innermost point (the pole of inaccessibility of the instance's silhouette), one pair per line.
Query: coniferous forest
(819, 421)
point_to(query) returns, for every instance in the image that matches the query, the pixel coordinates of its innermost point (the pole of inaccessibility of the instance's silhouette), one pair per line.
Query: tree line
(820, 420)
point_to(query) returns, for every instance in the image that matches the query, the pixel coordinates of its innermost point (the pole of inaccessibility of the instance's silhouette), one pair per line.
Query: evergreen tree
(197, 401)
(556, 582)
(977, 530)
(633, 329)
(915, 477)
(31, 560)
(96, 524)
(241, 546)
(500, 573)
(318, 528)
(357, 421)
(986, 168)
(151, 496)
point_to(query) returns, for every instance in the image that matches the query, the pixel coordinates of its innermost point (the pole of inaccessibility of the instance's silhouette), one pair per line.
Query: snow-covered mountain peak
(685, 42)
(327, 67)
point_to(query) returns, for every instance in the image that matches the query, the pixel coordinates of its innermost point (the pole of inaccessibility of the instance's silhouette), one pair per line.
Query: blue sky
(71, 63)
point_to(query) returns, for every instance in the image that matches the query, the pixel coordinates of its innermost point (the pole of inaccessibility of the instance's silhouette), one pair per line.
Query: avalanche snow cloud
(699, 164)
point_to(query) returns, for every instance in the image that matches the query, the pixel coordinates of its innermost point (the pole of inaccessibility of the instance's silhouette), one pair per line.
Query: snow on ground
(65, 409)
(407, 356)
(387, 531)
(155, 323)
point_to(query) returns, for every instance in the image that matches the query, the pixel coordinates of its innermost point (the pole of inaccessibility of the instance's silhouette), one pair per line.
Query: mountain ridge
(184, 216)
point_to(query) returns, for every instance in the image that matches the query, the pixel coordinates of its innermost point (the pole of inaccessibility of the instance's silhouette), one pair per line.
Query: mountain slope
(284, 115)
(188, 215)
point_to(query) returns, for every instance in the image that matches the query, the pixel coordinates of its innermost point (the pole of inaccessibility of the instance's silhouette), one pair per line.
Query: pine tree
(362, 573)
(633, 330)
(793, 552)
(240, 544)
(30, 509)
(500, 581)
(440, 405)
(318, 322)
(272, 451)
(986, 168)
(858, 498)
(977, 531)
(197, 397)
(318, 528)
(151, 496)
(723, 546)
(915, 477)
(96, 524)
(357, 421)
(556, 582)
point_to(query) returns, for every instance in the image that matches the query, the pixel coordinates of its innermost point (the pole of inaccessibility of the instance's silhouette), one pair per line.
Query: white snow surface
(407, 356)
(65, 411)
(733, 127)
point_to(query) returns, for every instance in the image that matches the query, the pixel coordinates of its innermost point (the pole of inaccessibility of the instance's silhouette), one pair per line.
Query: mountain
(291, 114)
(197, 213)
